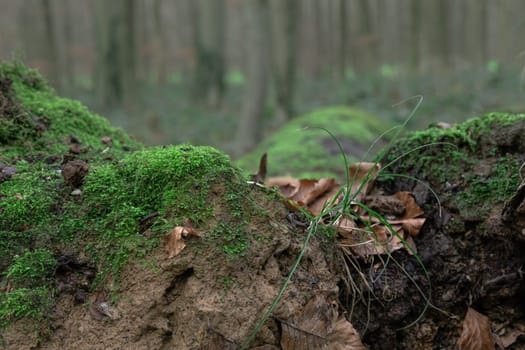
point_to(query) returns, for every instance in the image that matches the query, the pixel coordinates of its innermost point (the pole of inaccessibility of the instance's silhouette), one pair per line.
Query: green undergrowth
(469, 163)
(302, 149)
(126, 204)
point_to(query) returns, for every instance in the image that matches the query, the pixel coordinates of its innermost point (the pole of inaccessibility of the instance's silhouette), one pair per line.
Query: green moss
(482, 192)
(302, 149)
(24, 303)
(451, 158)
(36, 120)
(30, 277)
(32, 269)
(26, 199)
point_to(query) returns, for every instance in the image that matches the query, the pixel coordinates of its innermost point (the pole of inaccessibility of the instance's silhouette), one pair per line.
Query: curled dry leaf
(319, 326)
(287, 185)
(344, 337)
(362, 175)
(412, 210)
(476, 334)
(307, 193)
(174, 240)
(309, 190)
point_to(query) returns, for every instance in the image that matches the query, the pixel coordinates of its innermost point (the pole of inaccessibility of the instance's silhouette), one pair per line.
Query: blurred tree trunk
(284, 25)
(68, 71)
(368, 41)
(415, 33)
(50, 47)
(209, 43)
(457, 13)
(343, 37)
(434, 40)
(318, 20)
(116, 55)
(161, 44)
(475, 31)
(258, 45)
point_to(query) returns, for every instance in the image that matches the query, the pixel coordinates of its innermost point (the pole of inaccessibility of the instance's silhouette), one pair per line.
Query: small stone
(76, 192)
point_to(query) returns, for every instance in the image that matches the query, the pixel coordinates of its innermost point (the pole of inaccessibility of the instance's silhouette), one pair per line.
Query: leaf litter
(374, 224)
(368, 225)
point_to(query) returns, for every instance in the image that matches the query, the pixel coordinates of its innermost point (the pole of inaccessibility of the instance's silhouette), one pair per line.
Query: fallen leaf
(174, 239)
(362, 175)
(319, 326)
(287, 185)
(343, 336)
(510, 337)
(412, 210)
(317, 206)
(413, 226)
(476, 334)
(309, 190)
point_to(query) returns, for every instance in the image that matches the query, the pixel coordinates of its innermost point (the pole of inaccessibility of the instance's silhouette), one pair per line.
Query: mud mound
(201, 298)
(469, 181)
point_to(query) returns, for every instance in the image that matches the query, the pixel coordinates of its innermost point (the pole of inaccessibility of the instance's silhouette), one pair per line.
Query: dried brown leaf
(287, 185)
(174, 242)
(476, 334)
(345, 226)
(510, 337)
(362, 175)
(319, 326)
(363, 170)
(412, 210)
(413, 226)
(316, 207)
(343, 336)
(309, 190)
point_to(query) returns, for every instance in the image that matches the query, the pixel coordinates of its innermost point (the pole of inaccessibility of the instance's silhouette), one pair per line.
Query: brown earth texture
(110, 245)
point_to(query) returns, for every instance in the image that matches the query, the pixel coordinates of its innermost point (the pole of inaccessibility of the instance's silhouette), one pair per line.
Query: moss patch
(475, 165)
(302, 149)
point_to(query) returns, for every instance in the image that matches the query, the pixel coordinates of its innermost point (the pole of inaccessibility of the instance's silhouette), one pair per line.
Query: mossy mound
(120, 209)
(302, 149)
(86, 233)
(476, 163)
(469, 180)
(34, 121)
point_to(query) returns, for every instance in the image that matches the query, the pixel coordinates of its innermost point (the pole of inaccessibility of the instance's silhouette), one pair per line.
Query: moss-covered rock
(301, 148)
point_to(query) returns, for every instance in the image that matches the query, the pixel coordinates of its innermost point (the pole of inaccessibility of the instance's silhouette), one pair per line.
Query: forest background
(227, 73)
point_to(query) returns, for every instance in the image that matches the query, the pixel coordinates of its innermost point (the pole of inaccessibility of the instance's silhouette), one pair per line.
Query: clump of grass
(344, 207)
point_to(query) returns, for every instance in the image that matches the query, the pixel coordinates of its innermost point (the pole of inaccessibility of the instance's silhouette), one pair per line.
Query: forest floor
(109, 245)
